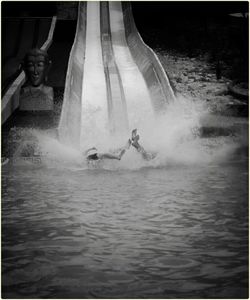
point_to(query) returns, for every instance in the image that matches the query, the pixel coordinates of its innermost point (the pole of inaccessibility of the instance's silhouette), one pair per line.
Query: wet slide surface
(94, 103)
(138, 100)
(113, 96)
(115, 92)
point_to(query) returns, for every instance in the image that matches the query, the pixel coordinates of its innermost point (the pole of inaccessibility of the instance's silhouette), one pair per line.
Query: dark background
(198, 29)
(190, 28)
(145, 11)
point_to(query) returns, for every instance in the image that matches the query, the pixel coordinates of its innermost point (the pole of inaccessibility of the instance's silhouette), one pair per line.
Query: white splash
(174, 136)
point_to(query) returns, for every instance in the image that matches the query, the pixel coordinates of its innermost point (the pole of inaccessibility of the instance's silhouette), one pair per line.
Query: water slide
(114, 81)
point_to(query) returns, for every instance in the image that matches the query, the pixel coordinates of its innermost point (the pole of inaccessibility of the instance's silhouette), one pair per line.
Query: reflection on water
(169, 232)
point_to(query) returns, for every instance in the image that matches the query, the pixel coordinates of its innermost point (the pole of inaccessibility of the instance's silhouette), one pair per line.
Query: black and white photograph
(125, 153)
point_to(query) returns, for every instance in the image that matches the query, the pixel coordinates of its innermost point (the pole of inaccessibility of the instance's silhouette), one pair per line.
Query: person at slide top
(92, 154)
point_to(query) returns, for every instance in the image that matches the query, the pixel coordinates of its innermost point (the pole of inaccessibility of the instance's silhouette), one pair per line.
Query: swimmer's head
(92, 151)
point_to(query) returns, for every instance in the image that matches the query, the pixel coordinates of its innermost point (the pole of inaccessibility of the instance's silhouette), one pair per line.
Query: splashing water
(174, 136)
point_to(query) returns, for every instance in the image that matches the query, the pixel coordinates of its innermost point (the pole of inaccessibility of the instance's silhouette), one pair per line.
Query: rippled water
(170, 232)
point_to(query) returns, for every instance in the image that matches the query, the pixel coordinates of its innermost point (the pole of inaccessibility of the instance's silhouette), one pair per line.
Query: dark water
(177, 232)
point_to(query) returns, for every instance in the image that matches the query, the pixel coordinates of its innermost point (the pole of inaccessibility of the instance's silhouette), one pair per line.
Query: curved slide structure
(114, 81)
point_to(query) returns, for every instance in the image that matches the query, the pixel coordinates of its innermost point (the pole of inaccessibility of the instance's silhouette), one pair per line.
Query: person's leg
(146, 155)
(126, 146)
(137, 146)
(133, 134)
(120, 152)
(108, 156)
(123, 150)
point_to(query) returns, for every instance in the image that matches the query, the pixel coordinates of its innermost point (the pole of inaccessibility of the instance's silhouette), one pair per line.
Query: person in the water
(92, 154)
(145, 154)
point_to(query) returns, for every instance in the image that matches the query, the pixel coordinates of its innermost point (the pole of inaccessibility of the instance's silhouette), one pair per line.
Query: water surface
(165, 232)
